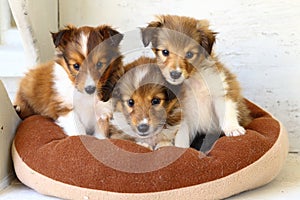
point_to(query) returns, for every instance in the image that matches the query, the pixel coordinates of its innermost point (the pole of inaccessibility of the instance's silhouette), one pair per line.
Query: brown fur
(162, 115)
(180, 35)
(36, 94)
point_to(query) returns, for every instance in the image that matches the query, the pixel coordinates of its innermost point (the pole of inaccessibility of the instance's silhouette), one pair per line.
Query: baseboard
(6, 181)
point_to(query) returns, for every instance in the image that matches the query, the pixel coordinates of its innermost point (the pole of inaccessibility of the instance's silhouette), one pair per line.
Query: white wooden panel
(35, 20)
(44, 18)
(4, 19)
(8, 125)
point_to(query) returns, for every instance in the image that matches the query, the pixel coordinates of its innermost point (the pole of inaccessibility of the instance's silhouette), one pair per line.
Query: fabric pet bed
(83, 167)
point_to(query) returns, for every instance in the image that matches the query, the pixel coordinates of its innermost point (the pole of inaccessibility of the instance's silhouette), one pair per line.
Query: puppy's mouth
(143, 135)
(175, 81)
(174, 77)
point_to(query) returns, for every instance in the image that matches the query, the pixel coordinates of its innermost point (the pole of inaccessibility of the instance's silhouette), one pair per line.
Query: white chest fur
(82, 119)
(84, 107)
(201, 92)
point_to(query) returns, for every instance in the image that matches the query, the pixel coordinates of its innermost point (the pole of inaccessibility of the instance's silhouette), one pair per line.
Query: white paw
(103, 110)
(234, 131)
(102, 128)
(182, 138)
(163, 144)
(71, 124)
(145, 145)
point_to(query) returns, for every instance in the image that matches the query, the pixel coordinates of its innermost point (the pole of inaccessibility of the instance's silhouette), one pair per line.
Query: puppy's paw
(234, 131)
(103, 110)
(17, 109)
(145, 145)
(163, 144)
(102, 128)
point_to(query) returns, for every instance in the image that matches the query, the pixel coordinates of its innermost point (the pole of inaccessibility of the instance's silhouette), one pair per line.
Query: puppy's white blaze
(83, 43)
(177, 65)
(141, 72)
(89, 80)
(63, 85)
(144, 121)
(178, 69)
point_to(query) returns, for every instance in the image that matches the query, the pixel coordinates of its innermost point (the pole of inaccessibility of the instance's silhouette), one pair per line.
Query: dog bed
(83, 167)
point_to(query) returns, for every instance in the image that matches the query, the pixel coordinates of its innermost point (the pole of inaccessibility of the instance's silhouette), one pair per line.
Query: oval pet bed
(83, 167)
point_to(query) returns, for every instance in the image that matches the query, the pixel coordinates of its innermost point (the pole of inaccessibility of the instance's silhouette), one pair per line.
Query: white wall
(258, 40)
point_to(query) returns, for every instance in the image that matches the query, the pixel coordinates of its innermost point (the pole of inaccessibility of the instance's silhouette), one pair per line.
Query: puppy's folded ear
(113, 36)
(63, 36)
(207, 36)
(116, 93)
(149, 32)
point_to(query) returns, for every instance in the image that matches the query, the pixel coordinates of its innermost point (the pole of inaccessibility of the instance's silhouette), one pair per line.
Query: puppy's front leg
(164, 143)
(103, 112)
(71, 124)
(144, 144)
(102, 129)
(182, 138)
(227, 114)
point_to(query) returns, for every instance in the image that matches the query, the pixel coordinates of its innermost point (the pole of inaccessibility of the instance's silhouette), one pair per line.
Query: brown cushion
(74, 167)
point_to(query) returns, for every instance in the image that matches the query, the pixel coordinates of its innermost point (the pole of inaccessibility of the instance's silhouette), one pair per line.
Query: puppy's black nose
(175, 74)
(90, 89)
(143, 128)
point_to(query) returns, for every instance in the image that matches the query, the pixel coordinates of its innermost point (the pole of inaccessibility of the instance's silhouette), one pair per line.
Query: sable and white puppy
(77, 83)
(146, 108)
(212, 100)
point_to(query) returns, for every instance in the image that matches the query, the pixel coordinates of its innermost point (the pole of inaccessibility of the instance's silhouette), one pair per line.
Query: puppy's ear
(149, 32)
(207, 36)
(113, 36)
(61, 37)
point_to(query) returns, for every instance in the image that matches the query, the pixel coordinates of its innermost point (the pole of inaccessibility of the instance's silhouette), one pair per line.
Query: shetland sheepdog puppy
(145, 107)
(78, 83)
(211, 96)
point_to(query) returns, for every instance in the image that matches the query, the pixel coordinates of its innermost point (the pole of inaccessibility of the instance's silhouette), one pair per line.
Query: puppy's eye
(99, 65)
(155, 101)
(130, 102)
(76, 66)
(189, 55)
(165, 52)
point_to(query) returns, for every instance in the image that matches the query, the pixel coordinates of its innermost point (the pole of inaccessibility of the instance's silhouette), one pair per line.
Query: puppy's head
(179, 43)
(90, 56)
(146, 101)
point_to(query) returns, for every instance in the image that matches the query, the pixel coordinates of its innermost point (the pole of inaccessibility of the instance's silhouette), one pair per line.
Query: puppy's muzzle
(90, 89)
(175, 74)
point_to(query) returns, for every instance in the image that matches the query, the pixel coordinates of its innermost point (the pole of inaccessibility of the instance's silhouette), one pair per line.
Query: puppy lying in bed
(146, 108)
(211, 99)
